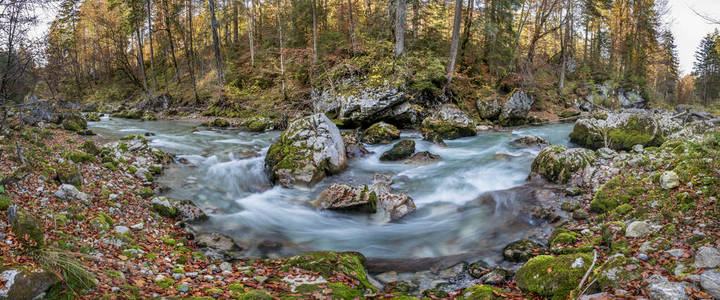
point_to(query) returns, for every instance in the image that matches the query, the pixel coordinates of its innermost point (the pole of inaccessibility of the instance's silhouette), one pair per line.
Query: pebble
(675, 252)
(138, 226)
(643, 257)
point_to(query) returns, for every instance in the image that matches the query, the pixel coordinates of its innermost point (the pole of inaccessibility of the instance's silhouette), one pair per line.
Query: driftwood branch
(582, 282)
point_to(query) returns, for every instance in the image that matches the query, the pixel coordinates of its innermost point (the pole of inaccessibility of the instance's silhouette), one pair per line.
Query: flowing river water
(222, 171)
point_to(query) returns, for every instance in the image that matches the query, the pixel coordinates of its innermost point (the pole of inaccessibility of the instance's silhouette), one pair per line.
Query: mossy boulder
(92, 116)
(622, 131)
(515, 109)
(27, 229)
(328, 263)
(259, 124)
(522, 250)
(563, 236)
(489, 108)
(481, 292)
(20, 283)
(220, 123)
(402, 150)
(74, 121)
(558, 163)
(615, 192)
(165, 207)
(310, 149)
(617, 271)
(552, 276)
(346, 198)
(380, 133)
(254, 295)
(5, 202)
(448, 122)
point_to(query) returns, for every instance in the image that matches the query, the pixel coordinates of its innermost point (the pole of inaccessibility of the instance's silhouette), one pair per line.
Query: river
(222, 171)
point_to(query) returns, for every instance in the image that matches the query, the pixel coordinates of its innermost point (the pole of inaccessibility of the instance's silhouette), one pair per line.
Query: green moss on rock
(327, 263)
(558, 163)
(380, 133)
(552, 276)
(28, 229)
(480, 292)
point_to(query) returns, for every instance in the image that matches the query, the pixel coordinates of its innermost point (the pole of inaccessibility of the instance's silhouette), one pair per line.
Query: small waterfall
(240, 176)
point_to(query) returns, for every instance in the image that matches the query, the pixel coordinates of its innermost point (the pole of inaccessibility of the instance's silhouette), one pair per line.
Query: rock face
(22, 284)
(622, 131)
(368, 106)
(516, 108)
(558, 163)
(380, 133)
(448, 122)
(310, 149)
(366, 199)
(530, 142)
(402, 150)
(552, 276)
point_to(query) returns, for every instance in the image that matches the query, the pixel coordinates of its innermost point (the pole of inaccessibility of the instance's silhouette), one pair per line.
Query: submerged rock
(353, 147)
(448, 122)
(402, 150)
(559, 163)
(380, 133)
(310, 149)
(530, 141)
(423, 157)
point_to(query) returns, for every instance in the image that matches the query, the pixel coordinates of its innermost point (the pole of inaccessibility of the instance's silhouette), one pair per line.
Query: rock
(677, 253)
(380, 133)
(70, 192)
(710, 282)
(23, 284)
(138, 226)
(69, 174)
(707, 257)
(661, 289)
(346, 198)
(638, 148)
(580, 214)
(522, 250)
(669, 180)
(27, 229)
(478, 268)
(353, 147)
(164, 207)
(596, 296)
(496, 277)
(623, 131)
(606, 153)
(310, 149)
(141, 173)
(558, 163)
(402, 286)
(401, 150)
(216, 245)
(452, 272)
(366, 200)
(638, 229)
(448, 122)
(530, 142)
(121, 229)
(424, 157)
(617, 271)
(552, 275)
(185, 210)
(259, 124)
(368, 106)
(434, 138)
(631, 99)
(74, 121)
(515, 109)
(476, 292)
(489, 108)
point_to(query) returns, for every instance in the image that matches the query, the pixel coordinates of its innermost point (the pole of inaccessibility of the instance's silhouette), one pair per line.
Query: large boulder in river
(310, 149)
(368, 105)
(558, 163)
(402, 150)
(516, 108)
(448, 122)
(380, 133)
(371, 199)
(622, 131)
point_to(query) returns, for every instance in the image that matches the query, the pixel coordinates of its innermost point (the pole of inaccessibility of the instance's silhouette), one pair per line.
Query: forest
(359, 149)
(236, 56)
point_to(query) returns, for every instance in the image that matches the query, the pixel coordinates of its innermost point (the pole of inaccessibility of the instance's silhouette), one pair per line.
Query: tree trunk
(140, 58)
(466, 30)
(400, 27)
(171, 42)
(351, 26)
(190, 51)
(455, 40)
(314, 15)
(216, 44)
(416, 18)
(235, 21)
(249, 13)
(282, 59)
(150, 37)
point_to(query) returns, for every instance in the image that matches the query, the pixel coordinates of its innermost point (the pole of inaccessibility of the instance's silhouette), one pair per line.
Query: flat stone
(707, 257)
(122, 229)
(138, 226)
(675, 252)
(638, 229)
(710, 282)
